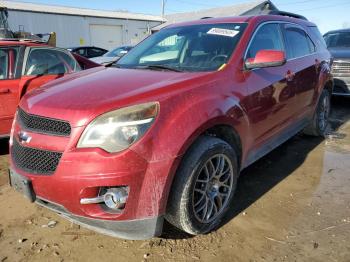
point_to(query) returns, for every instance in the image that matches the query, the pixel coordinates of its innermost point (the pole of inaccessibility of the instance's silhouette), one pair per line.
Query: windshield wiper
(155, 67)
(112, 63)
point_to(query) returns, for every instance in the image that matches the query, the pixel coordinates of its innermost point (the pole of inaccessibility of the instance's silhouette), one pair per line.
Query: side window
(93, 52)
(268, 37)
(81, 51)
(4, 64)
(298, 43)
(43, 61)
(311, 44)
(317, 36)
(70, 63)
(8, 62)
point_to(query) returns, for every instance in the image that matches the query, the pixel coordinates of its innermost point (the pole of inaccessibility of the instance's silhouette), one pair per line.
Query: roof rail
(207, 17)
(283, 13)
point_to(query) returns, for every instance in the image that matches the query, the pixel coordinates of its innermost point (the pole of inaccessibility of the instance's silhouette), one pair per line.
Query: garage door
(106, 36)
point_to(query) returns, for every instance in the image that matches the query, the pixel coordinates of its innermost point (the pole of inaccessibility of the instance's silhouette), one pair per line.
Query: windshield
(341, 39)
(203, 47)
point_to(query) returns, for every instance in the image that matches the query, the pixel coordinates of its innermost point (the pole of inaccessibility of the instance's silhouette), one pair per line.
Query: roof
(53, 9)
(244, 19)
(345, 30)
(214, 20)
(249, 8)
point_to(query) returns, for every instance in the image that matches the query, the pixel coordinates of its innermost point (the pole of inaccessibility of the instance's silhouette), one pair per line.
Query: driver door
(271, 91)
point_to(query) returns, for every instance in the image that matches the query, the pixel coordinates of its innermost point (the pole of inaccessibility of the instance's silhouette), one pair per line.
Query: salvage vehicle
(88, 51)
(112, 56)
(119, 149)
(25, 65)
(338, 43)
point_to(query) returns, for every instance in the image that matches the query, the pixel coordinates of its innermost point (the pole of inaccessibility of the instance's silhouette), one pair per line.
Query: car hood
(340, 52)
(104, 59)
(80, 97)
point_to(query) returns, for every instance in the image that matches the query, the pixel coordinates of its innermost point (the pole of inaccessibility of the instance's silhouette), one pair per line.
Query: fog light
(115, 198)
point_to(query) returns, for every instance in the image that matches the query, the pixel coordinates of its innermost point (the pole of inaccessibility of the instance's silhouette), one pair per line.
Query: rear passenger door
(271, 95)
(303, 66)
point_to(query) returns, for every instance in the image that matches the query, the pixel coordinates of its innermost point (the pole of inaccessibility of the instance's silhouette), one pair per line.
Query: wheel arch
(219, 129)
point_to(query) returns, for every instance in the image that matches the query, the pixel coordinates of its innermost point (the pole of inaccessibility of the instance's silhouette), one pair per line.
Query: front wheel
(319, 123)
(203, 187)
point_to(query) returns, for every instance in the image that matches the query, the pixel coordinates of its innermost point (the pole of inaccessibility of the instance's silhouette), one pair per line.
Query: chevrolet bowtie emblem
(24, 137)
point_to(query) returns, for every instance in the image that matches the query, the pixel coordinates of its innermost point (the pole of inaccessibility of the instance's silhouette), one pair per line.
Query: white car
(111, 56)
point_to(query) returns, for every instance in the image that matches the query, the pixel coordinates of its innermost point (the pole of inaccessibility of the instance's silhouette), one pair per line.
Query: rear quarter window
(317, 37)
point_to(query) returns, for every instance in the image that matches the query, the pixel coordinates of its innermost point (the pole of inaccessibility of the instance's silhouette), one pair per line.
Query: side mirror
(266, 58)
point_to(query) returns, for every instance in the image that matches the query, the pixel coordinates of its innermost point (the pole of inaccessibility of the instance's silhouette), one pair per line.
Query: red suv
(25, 65)
(165, 132)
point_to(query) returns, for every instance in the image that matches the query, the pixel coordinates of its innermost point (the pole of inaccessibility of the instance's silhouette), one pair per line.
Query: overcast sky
(328, 15)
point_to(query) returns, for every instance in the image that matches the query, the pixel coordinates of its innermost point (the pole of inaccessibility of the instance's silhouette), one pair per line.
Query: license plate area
(22, 185)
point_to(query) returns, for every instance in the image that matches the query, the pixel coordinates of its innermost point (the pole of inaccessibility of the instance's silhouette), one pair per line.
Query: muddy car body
(130, 145)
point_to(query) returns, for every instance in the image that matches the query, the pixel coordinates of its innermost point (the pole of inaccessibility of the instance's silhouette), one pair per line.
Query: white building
(79, 26)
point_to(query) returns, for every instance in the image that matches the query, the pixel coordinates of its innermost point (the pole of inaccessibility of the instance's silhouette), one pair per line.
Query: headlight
(119, 129)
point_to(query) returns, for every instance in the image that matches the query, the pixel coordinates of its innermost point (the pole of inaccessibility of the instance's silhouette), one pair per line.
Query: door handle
(5, 91)
(290, 75)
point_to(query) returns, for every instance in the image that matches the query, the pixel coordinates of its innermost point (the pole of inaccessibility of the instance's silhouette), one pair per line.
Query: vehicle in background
(113, 55)
(338, 43)
(26, 65)
(128, 145)
(84, 62)
(88, 51)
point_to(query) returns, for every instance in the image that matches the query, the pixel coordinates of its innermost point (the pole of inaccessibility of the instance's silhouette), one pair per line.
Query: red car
(165, 132)
(25, 65)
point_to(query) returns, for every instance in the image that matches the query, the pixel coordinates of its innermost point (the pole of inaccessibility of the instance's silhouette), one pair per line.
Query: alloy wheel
(324, 113)
(212, 188)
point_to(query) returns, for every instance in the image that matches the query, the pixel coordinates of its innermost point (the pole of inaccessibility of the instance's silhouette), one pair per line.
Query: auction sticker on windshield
(223, 32)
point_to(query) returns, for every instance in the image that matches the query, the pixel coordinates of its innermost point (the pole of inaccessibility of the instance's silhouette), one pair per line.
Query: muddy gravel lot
(292, 205)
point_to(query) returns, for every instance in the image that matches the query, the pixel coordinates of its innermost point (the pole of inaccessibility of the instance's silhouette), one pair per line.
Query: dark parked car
(88, 51)
(113, 55)
(165, 132)
(338, 43)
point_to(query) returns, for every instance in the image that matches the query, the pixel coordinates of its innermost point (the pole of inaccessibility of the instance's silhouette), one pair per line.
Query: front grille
(43, 125)
(341, 68)
(34, 160)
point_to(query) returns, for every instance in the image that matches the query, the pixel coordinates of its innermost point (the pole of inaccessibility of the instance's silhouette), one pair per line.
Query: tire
(191, 190)
(319, 123)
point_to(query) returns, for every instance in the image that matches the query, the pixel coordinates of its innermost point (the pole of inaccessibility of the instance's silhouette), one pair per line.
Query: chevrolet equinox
(164, 132)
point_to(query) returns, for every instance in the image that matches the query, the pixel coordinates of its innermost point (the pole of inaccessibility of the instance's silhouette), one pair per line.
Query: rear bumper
(341, 85)
(134, 229)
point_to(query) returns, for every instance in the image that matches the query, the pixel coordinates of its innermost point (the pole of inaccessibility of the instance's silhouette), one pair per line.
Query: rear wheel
(319, 123)
(203, 187)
